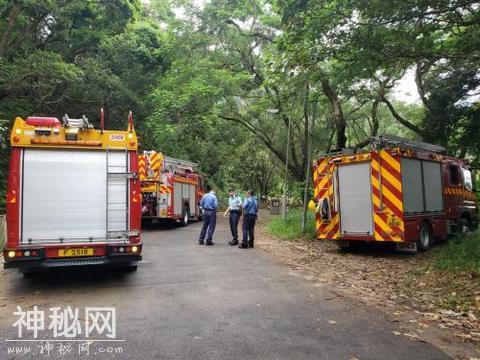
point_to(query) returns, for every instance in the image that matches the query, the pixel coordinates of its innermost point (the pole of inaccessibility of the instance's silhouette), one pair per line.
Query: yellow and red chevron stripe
(323, 187)
(164, 189)
(387, 197)
(142, 171)
(457, 191)
(152, 162)
(155, 161)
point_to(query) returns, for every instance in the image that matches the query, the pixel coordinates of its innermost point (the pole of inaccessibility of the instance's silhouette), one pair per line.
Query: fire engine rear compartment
(355, 199)
(74, 196)
(184, 194)
(420, 196)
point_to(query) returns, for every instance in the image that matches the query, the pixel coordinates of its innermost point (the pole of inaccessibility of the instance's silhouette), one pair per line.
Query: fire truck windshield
(467, 178)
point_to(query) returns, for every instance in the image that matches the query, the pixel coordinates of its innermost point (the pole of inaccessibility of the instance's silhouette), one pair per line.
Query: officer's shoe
(243, 246)
(233, 242)
(201, 242)
(209, 243)
(250, 244)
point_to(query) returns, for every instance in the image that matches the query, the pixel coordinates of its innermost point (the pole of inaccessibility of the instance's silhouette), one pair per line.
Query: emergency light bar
(43, 121)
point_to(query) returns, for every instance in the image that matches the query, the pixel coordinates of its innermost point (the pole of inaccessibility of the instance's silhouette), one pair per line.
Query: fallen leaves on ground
(400, 283)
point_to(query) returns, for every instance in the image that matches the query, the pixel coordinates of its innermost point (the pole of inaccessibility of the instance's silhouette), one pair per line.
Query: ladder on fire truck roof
(396, 141)
(184, 163)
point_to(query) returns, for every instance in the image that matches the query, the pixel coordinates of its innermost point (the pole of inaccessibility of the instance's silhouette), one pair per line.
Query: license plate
(75, 252)
(393, 221)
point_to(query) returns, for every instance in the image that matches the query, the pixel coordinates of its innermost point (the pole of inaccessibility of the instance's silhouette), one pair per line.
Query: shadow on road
(71, 278)
(166, 225)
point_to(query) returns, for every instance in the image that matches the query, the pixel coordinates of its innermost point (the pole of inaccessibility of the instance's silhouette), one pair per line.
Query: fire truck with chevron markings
(405, 192)
(171, 188)
(73, 195)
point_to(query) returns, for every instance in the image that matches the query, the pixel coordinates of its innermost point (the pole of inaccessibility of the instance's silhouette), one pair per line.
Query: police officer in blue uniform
(250, 210)
(234, 208)
(209, 204)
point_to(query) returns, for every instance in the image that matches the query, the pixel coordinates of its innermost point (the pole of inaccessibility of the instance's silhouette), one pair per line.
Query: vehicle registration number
(75, 252)
(393, 221)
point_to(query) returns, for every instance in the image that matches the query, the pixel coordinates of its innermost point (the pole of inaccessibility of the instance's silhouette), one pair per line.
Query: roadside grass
(460, 254)
(290, 228)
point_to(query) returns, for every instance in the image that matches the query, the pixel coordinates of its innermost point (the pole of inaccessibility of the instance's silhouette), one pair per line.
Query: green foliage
(461, 253)
(220, 84)
(290, 228)
(4, 146)
(61, 57)
(359, 44)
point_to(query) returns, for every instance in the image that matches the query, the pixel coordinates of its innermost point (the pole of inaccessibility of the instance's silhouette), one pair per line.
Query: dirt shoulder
(427, 305)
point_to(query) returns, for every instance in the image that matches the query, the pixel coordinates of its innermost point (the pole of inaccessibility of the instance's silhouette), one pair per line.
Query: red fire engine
(171, 189)
(73, 195)
(401, 191)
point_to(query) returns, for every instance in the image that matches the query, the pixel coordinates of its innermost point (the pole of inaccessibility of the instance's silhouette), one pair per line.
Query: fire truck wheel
(426, 238)
(128, 268)
(185, 216)
(464, 226)
(28, 274)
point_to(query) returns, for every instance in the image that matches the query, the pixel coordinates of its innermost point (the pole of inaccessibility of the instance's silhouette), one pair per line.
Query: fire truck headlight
(18, 131)
(121, 249)
(26, 253)
(130, 136)
(134, 249)
(11, 254)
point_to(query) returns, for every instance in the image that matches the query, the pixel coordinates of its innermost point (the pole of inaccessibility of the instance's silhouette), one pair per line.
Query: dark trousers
(209, 222)
(248, 227)
(234, 218)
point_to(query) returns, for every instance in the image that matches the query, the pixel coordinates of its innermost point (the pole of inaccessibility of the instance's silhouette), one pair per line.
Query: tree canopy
(222, 83)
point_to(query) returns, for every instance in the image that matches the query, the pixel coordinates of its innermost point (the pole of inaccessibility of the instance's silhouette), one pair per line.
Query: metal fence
(3, 231)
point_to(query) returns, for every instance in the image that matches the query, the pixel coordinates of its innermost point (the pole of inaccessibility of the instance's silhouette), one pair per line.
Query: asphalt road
(194, 302)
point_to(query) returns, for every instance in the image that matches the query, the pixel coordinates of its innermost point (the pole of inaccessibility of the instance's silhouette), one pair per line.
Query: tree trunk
(374, 114)
(340, 122)
(306, 126)
(12, 17)
(309, 165)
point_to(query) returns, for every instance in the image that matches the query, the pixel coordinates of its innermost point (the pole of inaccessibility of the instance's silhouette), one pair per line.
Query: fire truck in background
(73, 195)
(406, 192)
(171, 189)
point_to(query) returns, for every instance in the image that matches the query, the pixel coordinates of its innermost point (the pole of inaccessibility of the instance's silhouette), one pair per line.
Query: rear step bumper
(86, 261)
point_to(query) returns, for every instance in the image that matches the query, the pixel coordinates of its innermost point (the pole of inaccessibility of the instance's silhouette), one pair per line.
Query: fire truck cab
(401, 191)
(73, 195)
(171, 188)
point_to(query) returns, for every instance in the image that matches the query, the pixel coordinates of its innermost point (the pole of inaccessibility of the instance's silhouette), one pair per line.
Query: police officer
(250, 209)
(234, 206)
(209, 204)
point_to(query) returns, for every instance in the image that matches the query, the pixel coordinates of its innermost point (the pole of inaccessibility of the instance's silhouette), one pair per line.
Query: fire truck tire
(29, 274)
(464, 226)
(185, 217)
(131, 268)
(425, 240)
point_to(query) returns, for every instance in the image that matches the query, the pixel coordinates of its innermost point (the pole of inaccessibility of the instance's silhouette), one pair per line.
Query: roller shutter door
(355, 195)
(64, 195)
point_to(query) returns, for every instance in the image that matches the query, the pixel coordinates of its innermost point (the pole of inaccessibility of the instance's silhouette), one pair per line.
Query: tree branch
(255, 34)
(401, 119)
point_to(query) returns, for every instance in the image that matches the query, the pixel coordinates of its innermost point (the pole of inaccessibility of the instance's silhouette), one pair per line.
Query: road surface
(194, 302)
